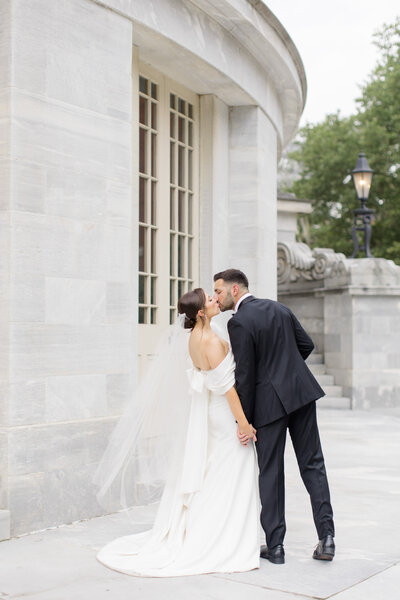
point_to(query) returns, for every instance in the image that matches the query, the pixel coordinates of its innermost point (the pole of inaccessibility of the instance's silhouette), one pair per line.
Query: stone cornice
(263, 67)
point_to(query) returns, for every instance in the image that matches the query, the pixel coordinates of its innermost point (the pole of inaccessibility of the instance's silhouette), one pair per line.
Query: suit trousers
(271, 440)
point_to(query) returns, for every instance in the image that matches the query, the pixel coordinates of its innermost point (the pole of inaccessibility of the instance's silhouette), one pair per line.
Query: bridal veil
(146, 448)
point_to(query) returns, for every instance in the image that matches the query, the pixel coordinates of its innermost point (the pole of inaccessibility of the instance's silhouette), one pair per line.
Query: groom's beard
(228, 303)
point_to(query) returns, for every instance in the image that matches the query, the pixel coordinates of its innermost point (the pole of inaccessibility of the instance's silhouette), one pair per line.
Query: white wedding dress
(216, 527)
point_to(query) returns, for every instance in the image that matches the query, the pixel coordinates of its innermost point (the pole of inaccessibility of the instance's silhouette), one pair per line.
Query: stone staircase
(334, 393)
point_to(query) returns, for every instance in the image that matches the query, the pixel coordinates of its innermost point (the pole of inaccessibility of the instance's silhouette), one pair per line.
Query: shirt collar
(240, 300)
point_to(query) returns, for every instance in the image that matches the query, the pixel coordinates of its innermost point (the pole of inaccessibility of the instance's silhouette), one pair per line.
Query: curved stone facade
(238, 51)
(70, 209)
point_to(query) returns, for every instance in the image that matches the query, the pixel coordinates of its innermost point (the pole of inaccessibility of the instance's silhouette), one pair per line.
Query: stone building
(138, 155)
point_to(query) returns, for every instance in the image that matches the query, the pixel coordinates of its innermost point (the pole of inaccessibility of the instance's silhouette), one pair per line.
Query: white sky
(334, 39)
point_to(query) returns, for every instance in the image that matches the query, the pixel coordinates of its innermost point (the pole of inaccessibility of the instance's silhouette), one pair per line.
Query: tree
(328, 151)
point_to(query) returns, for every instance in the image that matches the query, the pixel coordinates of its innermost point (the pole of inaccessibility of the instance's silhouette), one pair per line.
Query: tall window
(168, 198)
(148, 114)
(181, 200)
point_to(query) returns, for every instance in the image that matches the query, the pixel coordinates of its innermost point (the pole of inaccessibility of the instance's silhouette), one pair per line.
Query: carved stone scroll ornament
(297, 261)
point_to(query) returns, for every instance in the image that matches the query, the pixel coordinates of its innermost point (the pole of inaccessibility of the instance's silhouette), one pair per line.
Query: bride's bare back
(206, 349)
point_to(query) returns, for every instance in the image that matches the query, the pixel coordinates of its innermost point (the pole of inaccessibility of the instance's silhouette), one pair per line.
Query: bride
(208, 517)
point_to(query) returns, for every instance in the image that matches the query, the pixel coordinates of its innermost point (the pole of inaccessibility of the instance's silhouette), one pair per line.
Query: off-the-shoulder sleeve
(222, 378)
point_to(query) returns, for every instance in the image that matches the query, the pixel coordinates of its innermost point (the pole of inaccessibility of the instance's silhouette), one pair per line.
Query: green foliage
(328, 151)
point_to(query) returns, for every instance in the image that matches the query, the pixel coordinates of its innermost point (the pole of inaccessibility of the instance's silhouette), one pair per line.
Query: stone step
(314, 358)
(333, 390)
(324, 379)
(317, 369)
(334, 402)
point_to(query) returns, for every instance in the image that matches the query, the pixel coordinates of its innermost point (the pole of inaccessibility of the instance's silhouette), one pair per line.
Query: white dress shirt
(240, 300)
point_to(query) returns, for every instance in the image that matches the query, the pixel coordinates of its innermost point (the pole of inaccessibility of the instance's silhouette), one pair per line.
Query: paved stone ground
(362, 452)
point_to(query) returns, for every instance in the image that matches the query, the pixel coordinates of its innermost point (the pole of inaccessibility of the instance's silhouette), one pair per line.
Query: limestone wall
(71, 248)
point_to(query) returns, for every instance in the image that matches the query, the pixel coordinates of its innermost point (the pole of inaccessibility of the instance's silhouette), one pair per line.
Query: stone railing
(351, 309)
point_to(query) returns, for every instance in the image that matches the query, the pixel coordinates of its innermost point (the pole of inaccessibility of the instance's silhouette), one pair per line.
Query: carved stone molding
(296, 262)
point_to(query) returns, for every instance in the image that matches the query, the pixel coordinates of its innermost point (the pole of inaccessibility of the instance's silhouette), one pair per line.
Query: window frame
(149, 333)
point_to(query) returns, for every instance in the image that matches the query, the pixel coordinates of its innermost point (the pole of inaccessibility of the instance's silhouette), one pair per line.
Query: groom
(277, 392)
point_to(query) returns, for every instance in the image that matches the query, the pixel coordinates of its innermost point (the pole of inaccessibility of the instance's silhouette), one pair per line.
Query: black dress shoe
(275, 555)
(325, 549)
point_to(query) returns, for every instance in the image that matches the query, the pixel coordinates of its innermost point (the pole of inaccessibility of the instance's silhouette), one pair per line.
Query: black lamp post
(362, 177)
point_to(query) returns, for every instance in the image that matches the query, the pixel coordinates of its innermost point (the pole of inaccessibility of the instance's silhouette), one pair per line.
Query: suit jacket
(270, 346)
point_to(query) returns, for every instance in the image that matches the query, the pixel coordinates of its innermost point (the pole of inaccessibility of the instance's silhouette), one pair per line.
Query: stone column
(252, 198)
(71, 253)
(214, 188)
(362, 329)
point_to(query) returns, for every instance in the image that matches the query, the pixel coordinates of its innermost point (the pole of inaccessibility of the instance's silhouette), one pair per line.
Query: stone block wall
(70, 294)
(310, 310)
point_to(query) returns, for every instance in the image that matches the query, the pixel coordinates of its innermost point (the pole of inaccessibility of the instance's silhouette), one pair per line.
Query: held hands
(245, 433)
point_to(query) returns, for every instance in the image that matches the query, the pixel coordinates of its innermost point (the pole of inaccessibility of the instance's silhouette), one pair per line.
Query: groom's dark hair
(233, 276)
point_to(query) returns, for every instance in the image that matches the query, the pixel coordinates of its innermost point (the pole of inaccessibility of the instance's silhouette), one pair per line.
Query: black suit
(278, 392)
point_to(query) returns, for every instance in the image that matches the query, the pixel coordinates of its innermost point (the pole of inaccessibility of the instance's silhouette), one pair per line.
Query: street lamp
(362, 177)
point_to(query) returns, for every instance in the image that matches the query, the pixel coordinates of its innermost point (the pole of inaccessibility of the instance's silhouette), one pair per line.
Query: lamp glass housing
(362, 182)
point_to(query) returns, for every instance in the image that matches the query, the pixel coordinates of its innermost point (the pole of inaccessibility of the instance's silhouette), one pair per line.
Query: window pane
(172, 316)
(172, 100)
(142, 150)
(172, 125)
(172, 163)
(154, 115)
(190, 111)
(142, 248)
(181, 166)
(190, 169)
(172, 219)
(181, 289)
(143, 84)
(181, 106)
(143, 110)
(181, 211)
(181, 129)
(153, 203)
(153, 251)
(142, 285)
(190, 270)
(154, 91)
(172, 254)
(190, 133)
(172, 292)
(190, 213)
(153, 314)
(181, 256)
(142, 200)
(153, 154)
(142, 315)
(153, 290)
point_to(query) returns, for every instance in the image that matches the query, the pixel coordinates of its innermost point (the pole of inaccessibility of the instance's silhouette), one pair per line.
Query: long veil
(146, 448)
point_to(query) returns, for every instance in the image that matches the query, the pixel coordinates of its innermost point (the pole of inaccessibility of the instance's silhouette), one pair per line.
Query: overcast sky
(334, 40)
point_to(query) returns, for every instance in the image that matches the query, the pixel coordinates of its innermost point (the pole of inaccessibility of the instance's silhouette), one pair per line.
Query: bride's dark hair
(190, 304)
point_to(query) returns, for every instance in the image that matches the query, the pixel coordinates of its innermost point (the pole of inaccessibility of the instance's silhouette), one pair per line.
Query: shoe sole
(275, 561)
(324, 557)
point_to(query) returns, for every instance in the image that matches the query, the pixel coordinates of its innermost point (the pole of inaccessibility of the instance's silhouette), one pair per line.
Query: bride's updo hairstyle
(190, 304)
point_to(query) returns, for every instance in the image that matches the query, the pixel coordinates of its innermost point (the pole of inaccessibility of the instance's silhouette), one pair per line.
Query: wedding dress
(208, 518)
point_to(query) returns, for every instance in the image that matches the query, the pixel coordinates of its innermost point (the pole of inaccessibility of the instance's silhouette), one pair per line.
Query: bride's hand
(245, 433)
